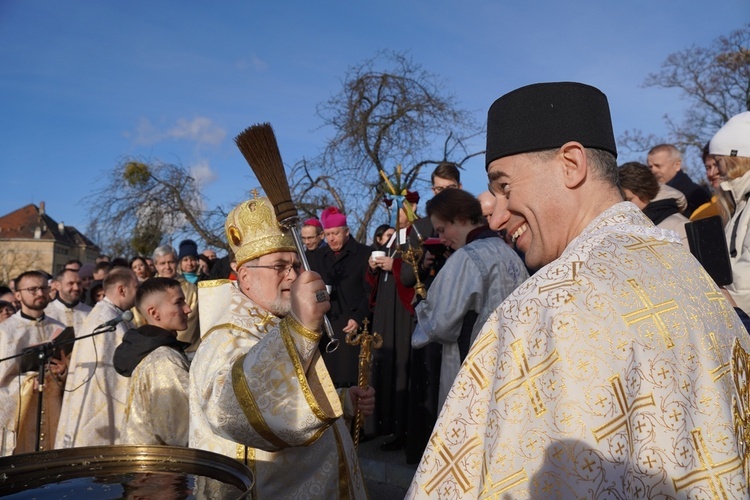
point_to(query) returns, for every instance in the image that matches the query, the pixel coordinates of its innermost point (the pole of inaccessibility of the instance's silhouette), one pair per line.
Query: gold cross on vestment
(723, 368)
(494, 490)
(648, 245)
(626, 412)
(575, 265)
(451, 464)
(651, 311)
(708, 471)
(527, 376)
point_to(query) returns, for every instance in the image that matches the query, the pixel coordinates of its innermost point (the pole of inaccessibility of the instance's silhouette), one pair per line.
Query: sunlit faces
(168, 309)
(140, 268)
(336, 237)
(311, 237)
(32, 293)
(166, 265)
(267, 281)
(70, 287)
(438, 184)
(715, 171)
(189, 264)
(451, 233)
(664, 165)
(535, 205)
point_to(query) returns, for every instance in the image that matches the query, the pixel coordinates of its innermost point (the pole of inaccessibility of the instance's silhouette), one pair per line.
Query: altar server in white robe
(94, 402)
(618, 370)
(67, 307)
(157, 405)
(18, 412)
(259, 390)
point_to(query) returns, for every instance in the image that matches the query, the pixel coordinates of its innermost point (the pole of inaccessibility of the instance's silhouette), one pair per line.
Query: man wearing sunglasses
(259, 389)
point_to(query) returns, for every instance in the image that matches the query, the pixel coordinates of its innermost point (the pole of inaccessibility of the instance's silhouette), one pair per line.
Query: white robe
(260, 392)
(157, 410)
(613, 372)
(18, 333)
(68, 316)
(92, 413)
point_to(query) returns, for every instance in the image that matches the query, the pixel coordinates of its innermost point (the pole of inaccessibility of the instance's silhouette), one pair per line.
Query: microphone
(125, 316)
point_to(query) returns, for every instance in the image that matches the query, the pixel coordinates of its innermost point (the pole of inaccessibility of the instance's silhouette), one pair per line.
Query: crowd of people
(552, 336)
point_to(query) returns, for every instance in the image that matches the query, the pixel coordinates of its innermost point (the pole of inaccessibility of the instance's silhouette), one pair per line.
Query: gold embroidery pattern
(249, 407)
(344, 490)
(300, 372)
(649, 245)
(263, 320)
(723, 368)
(741, 403)
(626, 411)
(305, 332)
(452, 463)
(651, 311)
(475, 368)
(212, 283)
(527, 376)
(708, 471)
(573, 280)
(494, 490)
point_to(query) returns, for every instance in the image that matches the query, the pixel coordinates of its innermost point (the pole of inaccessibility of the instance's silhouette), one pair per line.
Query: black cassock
(344, 272)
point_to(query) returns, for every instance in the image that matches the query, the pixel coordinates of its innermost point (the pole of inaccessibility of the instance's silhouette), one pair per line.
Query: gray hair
(163, 250)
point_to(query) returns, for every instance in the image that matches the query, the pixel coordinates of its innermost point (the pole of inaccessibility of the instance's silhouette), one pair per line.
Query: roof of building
(22, 224)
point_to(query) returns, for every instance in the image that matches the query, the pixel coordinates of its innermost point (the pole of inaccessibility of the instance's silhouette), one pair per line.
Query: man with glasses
(312, 235)
(27, 327)
(446, 176)
(259, 389)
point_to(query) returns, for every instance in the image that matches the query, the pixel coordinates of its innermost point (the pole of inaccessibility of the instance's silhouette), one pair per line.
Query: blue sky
(85, 83)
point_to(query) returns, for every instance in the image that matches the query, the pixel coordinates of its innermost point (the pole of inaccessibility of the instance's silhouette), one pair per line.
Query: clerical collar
(31, 318)
(480, 232)
(69, 306)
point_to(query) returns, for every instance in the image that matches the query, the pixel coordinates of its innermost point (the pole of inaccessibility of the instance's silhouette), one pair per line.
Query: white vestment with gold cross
(617, 371)
(260, 392)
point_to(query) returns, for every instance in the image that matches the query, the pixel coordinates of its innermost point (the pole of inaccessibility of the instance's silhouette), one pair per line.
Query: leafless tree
(380, 119)
(714, 81)
(144, 204)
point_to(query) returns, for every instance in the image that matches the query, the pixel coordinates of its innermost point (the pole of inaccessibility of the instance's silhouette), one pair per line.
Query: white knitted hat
(733, 139)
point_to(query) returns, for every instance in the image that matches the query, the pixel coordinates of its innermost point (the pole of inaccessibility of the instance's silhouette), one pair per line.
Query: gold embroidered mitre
(252, 231)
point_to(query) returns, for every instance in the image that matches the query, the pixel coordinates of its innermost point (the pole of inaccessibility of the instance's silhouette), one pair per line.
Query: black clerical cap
(546, 116)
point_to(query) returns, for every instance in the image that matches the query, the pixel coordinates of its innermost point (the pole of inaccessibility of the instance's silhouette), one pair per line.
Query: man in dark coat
(665, 162)
(342, 264)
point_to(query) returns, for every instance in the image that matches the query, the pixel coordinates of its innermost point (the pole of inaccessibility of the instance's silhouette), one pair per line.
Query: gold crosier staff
(366, 341)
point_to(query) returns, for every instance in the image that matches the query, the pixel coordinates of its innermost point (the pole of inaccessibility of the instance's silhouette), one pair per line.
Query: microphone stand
(43, 352)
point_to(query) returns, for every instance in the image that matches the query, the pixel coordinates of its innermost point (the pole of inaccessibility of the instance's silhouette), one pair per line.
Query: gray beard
(281, 307)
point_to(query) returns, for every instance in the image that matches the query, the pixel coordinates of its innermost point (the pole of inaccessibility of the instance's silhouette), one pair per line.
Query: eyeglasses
(437, 189)
(282, 269)
(33, 289)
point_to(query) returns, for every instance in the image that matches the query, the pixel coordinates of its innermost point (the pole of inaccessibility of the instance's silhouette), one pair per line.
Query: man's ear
(153, 312)
(575, 164)
(678, 162)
